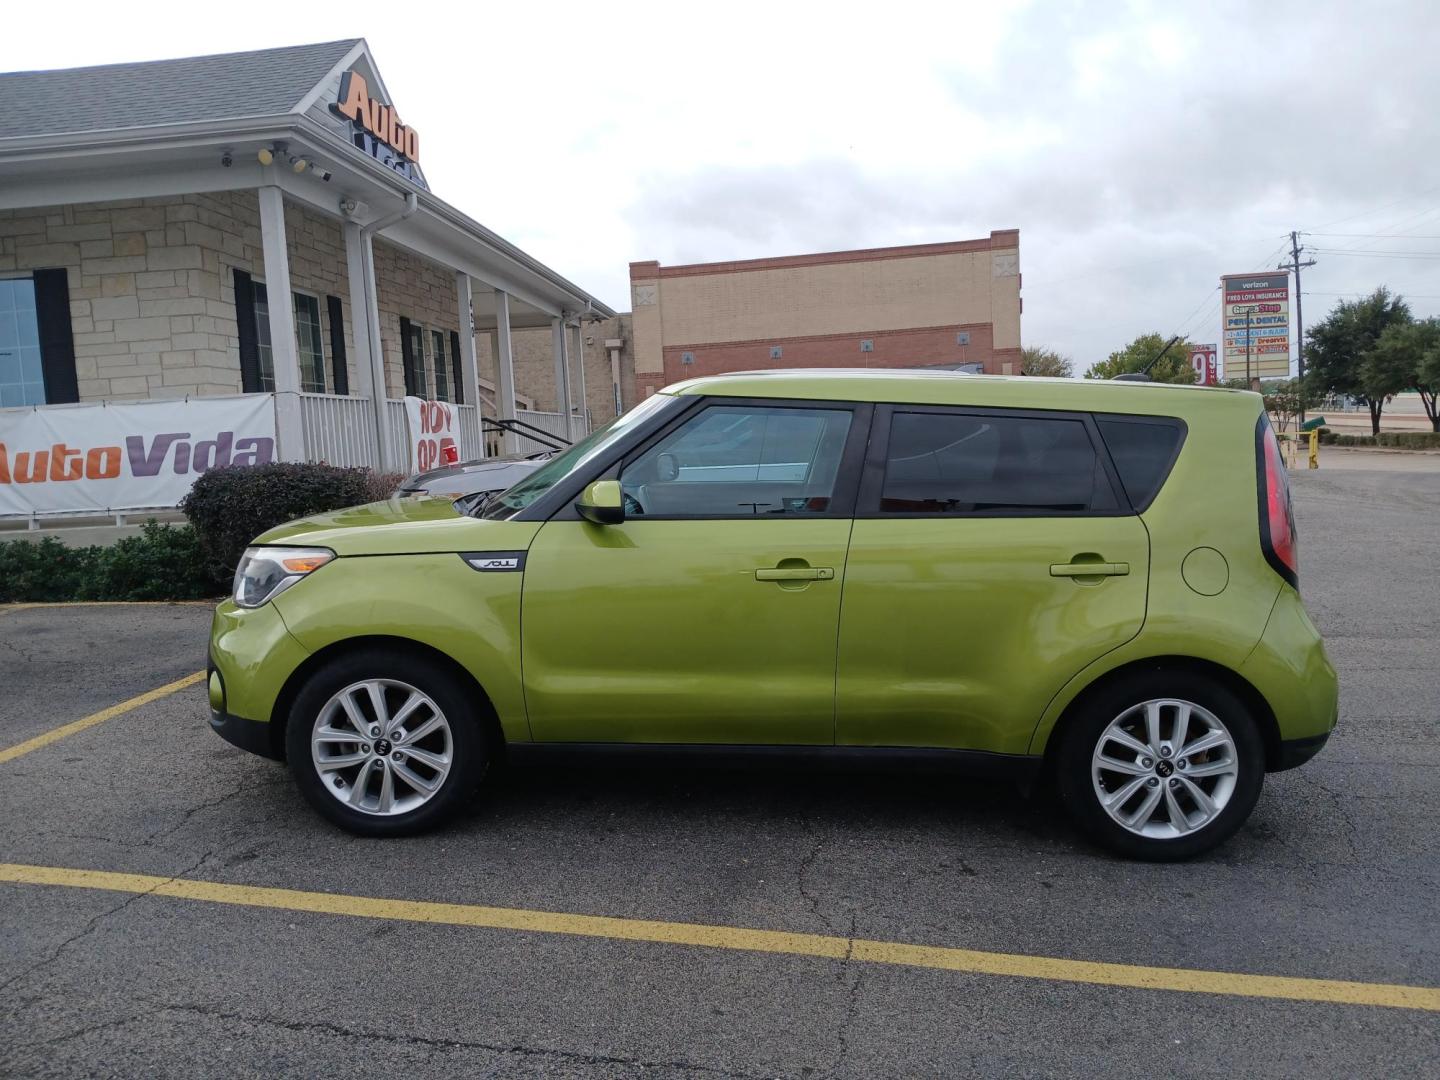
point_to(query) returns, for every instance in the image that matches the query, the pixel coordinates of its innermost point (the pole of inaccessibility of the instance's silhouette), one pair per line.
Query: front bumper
(252, 735)
(251, 658)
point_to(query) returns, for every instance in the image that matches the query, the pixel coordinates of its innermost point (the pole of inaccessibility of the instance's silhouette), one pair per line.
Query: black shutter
(407, 355)
(245, 322)
(457, 388)
(337, 346)
(57, 346)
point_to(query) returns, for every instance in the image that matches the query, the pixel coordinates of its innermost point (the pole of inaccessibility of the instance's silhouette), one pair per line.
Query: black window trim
(1136, 418)
(873, 480)
(558, 504)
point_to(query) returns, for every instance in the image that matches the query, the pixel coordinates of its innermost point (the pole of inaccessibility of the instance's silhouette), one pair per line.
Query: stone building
(152, 214)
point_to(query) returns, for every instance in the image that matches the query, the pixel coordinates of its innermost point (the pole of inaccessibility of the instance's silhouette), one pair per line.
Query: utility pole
(1295, 265)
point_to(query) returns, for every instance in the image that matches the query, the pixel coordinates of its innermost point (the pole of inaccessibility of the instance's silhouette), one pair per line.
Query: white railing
(338, 430)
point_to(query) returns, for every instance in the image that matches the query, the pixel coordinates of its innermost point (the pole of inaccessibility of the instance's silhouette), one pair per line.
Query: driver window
(740, 461)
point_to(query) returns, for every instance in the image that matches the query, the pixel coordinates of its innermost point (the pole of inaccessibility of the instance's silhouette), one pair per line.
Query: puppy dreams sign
(128, 455)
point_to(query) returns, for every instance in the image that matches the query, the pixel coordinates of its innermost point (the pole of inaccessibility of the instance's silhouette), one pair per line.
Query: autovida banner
(131, 455)
(1257, 307)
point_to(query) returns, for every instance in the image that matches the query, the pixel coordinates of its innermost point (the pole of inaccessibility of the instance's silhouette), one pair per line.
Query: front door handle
(796, 573)
(1089, 569)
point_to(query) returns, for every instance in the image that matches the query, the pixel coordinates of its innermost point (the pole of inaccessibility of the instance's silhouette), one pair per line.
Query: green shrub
(230, 507)
(162, 563)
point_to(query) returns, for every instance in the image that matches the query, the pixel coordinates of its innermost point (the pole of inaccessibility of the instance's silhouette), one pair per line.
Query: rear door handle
(796, 573)
(1089, 569)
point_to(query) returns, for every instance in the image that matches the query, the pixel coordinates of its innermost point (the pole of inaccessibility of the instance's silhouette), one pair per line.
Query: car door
(993, 557)
(710, 614)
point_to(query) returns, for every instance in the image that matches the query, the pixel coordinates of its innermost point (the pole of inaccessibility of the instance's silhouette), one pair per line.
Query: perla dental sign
(126, 455)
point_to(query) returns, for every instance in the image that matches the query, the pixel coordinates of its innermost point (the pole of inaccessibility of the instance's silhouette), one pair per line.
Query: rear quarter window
(1144, 450)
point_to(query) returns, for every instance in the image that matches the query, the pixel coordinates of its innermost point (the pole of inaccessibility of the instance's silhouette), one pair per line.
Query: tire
(346, 773)
(1162, 818)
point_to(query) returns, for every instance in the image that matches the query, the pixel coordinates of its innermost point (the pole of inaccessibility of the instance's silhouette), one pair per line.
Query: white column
(562, 372)
(359, 308)
(469, 370)
(580, 365)
(365, 325)
(505, 371)
(286, 357)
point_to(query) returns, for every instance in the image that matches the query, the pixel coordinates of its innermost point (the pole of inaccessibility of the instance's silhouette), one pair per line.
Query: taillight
(1277, 520)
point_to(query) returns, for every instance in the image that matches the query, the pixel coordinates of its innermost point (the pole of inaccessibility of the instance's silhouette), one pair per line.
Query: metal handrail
(530, 431)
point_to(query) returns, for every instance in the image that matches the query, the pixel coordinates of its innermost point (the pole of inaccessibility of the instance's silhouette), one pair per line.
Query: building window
(442, 373)
(307, 337)
(265, 355)
(22, 378)
(309, 349)
(420, 386)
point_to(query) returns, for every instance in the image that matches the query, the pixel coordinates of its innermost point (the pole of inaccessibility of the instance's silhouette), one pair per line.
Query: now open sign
(434, 436)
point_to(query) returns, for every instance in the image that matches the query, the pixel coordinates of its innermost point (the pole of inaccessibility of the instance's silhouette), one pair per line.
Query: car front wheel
(1162, 767)
(385, 745)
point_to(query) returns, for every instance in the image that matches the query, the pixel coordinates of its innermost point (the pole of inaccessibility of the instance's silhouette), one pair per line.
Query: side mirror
(602, 502)
(667, 468)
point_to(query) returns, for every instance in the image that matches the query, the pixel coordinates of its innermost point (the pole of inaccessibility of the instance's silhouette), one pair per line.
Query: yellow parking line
(745, 940)
(56, 734)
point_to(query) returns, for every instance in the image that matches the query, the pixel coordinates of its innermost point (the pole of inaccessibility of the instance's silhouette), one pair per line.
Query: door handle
(1089, 569)
(796, 573)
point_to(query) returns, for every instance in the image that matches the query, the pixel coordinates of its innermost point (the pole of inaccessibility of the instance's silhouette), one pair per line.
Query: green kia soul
(1093, 581)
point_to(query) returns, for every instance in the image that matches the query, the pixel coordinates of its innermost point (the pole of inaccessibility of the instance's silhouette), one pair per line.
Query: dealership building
(951, 305)
(260, 224)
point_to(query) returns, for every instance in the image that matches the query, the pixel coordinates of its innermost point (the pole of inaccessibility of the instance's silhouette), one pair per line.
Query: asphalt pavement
(1335, 877)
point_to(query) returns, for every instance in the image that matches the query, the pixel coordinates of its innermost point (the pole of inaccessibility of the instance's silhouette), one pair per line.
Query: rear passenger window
(970, 463)
(1143, 451)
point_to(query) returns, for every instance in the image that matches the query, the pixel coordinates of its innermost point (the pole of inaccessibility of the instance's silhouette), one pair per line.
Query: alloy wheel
(1164, 768)
(382, 747)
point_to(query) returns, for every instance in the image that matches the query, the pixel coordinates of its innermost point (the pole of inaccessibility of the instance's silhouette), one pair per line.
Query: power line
(1373, 236)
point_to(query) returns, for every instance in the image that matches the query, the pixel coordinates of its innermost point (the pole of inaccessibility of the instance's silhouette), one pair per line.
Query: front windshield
(517, 498)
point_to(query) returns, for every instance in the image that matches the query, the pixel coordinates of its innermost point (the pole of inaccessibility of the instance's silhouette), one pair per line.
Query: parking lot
(749, 924)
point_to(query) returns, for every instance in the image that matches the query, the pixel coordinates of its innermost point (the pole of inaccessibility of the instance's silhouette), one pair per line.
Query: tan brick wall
(423, 292)
(812, 301)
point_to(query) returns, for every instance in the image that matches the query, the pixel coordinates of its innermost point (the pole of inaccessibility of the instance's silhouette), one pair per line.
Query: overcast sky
(1141, 149)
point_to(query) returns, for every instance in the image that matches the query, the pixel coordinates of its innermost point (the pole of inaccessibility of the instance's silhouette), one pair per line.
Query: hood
(401, 527)
(477, 468)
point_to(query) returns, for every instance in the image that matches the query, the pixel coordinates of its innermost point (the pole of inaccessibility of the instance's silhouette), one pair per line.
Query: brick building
(954, 305)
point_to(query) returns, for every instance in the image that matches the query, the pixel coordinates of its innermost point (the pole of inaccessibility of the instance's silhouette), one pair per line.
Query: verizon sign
(1255, 321)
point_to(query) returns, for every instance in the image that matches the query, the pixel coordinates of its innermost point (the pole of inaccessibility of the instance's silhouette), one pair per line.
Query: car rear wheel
(1162, 766)
(385, 745)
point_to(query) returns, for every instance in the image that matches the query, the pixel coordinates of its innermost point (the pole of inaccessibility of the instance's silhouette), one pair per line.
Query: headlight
(266, 572)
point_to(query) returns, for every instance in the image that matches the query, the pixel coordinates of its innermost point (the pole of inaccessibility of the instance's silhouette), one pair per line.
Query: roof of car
(930, 387)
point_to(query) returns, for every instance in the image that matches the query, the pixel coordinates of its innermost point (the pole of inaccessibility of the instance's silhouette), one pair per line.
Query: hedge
(162, 563)
(1400, 440)
(230, 507)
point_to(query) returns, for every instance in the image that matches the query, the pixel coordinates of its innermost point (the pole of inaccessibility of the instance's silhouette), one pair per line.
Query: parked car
(1092, 583)
(471, 483)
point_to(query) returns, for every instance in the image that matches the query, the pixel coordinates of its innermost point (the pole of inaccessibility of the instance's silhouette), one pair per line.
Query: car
(1090, 585)
(470, 484)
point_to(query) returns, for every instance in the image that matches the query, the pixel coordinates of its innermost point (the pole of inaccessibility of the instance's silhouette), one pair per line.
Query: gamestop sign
(127, 455)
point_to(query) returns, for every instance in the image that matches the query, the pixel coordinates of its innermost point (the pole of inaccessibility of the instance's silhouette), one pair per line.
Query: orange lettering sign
(379, 119)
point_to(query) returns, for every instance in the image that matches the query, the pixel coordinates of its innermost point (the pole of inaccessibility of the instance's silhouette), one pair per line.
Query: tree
(1038, 360)
(1173, 368)
(1336, 351)
(1407, 356)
